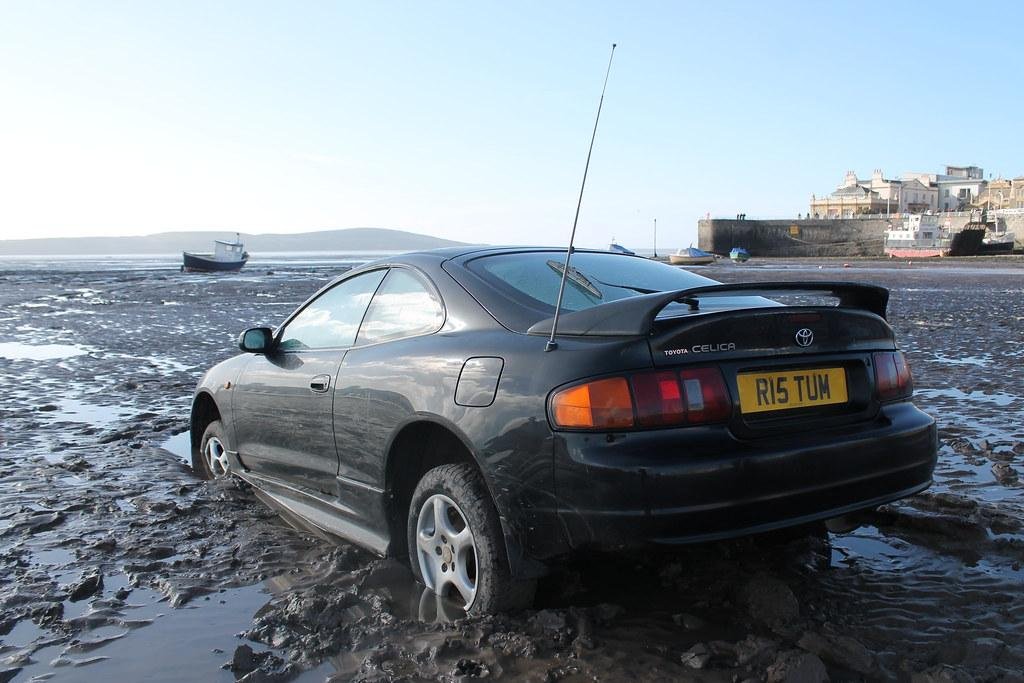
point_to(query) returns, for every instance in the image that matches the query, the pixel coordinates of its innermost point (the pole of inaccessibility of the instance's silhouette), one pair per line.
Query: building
(960, 187)
(1002, 194)
(877, 195)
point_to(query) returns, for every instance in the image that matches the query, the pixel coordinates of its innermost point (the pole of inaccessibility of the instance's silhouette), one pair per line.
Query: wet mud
(116, 562)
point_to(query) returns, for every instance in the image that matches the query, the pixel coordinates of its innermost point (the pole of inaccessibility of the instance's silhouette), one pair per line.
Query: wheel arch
(416, 448)
(204, 411)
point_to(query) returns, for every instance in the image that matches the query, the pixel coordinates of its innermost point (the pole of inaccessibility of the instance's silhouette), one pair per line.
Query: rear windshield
(530, 281)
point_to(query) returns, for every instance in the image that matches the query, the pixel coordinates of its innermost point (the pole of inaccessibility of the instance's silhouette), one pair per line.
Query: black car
(414, 406)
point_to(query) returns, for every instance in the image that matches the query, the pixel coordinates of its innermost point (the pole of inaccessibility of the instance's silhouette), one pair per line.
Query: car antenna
(552, 344)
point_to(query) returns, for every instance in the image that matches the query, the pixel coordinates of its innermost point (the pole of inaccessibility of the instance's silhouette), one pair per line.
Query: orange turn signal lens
(604, 404)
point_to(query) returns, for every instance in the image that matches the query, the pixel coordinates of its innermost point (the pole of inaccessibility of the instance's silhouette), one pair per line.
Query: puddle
(74, 410)
(190, 646)
(20, 351)
(978, 361)
(180, 445)
(54, 556)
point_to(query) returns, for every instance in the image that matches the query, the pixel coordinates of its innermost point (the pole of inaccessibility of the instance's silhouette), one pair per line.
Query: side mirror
(256, 340)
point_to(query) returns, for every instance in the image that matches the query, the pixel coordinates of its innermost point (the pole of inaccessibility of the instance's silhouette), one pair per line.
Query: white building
(960, 187)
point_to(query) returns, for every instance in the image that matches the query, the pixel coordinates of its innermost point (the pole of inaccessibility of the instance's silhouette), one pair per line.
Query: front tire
(456, 546)
(211, 462)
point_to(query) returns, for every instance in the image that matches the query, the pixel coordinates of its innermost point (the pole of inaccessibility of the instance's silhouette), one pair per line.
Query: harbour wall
(817, 237)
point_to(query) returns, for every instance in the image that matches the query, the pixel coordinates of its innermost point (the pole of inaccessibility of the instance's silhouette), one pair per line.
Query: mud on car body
(410, 407)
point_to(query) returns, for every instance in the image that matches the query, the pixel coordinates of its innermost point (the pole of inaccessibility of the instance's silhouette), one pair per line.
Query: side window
(402, 307)
(332, 319)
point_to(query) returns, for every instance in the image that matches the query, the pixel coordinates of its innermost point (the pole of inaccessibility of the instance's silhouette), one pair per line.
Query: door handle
(320, 383)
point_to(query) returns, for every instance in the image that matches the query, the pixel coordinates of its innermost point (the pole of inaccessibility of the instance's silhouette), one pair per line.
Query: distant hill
(353, 239)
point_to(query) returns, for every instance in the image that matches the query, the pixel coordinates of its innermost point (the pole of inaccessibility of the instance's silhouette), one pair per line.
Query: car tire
(211, 461)
(456, 546)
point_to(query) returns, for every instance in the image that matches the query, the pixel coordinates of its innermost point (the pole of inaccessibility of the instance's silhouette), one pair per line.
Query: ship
(927, 236)
(226, 257)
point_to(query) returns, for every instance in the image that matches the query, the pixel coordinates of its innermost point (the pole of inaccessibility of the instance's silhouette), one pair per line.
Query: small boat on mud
(691, 256)
(739, 255)
(226, 257)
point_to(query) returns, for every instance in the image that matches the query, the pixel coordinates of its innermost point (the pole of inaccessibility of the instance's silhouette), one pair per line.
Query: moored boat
(226, 257)
(927, 236)
(619, 249)
(691, 256)
(739, 255)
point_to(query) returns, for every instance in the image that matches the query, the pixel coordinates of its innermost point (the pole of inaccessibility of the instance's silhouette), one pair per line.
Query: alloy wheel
(446, 549)
(216, 457)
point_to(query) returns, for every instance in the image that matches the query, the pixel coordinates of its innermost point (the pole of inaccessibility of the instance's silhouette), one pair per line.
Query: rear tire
(456, 546)
(211, 461)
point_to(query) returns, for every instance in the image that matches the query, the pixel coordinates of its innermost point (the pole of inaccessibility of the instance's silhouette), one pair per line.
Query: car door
(283, 400)
(388, 372)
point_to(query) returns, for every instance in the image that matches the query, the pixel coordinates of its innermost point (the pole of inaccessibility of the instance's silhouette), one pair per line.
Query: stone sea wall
(814, 237)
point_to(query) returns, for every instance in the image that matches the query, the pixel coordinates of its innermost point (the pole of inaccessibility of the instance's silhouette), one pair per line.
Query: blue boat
(739, 255)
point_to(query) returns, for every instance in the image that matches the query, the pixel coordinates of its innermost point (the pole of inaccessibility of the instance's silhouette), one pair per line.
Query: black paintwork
(336, 455)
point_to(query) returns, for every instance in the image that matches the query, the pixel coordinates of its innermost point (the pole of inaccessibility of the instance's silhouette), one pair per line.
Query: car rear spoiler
(634, 316)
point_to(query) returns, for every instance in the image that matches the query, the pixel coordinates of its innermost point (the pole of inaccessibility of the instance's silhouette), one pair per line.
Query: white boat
(226, 257)
(691, 256)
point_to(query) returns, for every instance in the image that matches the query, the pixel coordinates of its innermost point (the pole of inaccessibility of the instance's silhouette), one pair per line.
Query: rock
(1004, 474)
(697, 657)
(943, 673)
(842, 651)
(752, 647)
(108, 543)
(468, 668)
(689, 622)
(48, 408)
(794, 666)
(243, 661)
(7, 675)
(47, 613)
(159, 552)
(606, 612)
(86, 587)
(770, 600)
(42, 521)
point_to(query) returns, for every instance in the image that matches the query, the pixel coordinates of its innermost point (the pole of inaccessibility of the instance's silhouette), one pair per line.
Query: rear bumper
(698, 484)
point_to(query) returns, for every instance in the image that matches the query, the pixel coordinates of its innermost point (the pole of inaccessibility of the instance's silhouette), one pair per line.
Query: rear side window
(403, 306)
(332, 319)
(532, 278)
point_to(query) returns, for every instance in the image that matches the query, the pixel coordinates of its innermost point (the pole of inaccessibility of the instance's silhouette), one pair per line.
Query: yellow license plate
(764, 391)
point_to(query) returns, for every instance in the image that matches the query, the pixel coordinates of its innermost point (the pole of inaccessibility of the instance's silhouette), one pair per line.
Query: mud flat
(116, 563)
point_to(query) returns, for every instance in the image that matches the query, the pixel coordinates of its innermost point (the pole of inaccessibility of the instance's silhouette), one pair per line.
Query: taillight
(604, 404)
(892, 376)
(647, 399)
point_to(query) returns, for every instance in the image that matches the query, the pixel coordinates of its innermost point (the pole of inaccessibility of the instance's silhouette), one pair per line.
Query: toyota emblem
(804, 337)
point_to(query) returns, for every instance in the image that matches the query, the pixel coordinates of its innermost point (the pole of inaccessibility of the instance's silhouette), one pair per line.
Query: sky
(471, 120)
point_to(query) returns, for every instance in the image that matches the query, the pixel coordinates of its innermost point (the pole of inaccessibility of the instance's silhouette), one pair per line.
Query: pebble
(795, 666)
(770, 600)
(1004, 474)
(842, 651)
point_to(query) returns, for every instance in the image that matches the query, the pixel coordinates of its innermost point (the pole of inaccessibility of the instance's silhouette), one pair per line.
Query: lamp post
(655, 238)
